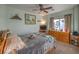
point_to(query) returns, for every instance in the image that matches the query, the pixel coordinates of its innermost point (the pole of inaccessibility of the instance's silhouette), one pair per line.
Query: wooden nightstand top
(76, 37)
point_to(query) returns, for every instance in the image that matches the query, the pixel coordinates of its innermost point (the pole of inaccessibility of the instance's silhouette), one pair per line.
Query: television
(43, 27)
(75, 33)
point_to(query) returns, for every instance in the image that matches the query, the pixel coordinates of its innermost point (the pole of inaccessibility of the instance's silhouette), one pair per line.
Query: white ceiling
(31, 7)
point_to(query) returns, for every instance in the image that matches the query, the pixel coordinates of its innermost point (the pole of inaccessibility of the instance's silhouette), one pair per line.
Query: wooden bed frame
(3, 43)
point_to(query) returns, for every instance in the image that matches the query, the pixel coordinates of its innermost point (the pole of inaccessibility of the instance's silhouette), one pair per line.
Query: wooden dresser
(61, 36)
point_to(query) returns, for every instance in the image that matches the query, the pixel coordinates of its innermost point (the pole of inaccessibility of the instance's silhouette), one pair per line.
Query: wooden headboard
(3, 41)
(2, 46)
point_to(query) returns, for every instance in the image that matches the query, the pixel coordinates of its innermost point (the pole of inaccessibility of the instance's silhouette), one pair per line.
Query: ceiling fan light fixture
(42, 13)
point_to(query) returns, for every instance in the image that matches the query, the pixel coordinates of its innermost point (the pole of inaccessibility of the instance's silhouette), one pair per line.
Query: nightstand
(74, 40)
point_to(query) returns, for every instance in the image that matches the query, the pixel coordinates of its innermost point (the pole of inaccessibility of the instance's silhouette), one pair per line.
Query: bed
(32, 43)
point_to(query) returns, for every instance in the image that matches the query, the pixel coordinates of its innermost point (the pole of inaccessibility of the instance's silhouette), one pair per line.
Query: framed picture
(30, 19)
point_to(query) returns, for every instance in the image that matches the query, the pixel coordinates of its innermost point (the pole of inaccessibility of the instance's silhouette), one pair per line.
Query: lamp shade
(16, 17)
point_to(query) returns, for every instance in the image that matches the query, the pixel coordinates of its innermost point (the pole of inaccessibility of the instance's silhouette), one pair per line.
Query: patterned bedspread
(33, 43)
(36, 43)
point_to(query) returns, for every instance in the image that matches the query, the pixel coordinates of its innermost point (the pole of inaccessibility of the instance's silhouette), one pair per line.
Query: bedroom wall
(2, 17)
(19, 26)
(75, 17)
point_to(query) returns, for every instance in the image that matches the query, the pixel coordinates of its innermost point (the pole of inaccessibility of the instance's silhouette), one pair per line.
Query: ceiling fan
(44, 9)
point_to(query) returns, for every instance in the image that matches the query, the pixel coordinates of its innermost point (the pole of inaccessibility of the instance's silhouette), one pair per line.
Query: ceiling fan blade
(41, 6)
(48, 8)
(45, 11)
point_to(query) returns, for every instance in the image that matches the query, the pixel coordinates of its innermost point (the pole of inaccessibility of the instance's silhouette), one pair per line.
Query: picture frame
(30, 19)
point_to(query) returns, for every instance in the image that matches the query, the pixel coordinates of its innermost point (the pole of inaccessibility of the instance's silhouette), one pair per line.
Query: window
(59, 24)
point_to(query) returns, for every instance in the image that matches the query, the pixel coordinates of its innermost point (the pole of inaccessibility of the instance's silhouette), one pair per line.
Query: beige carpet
(62, 48)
